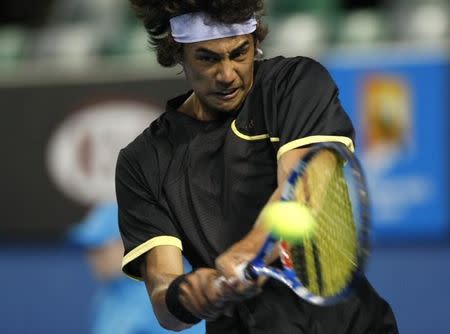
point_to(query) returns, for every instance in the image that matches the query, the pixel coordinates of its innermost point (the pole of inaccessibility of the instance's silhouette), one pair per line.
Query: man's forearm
(161, 266)
(165, 318)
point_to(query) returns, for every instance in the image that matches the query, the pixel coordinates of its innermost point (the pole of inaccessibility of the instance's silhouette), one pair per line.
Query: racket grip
(246, 272)
(250, 273)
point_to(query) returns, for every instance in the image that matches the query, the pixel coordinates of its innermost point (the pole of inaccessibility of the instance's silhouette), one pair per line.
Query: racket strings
(326, 262)
(336, 239)
(336, 235)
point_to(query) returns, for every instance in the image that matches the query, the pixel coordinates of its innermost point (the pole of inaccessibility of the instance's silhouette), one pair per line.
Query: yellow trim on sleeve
(314, 140)
(163, 240)
(247, 137)
(251, 138)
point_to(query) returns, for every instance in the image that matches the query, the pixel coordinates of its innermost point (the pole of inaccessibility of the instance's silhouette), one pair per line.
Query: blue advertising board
(399, 105)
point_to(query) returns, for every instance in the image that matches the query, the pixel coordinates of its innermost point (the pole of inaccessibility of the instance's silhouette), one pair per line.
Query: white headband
(197, 27)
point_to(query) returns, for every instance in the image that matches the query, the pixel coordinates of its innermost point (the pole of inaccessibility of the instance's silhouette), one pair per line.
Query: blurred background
(78, 82)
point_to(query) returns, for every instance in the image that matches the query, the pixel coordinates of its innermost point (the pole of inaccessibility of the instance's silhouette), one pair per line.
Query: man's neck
(195, 109)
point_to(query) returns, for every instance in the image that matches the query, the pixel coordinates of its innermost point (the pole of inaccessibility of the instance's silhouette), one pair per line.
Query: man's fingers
(227, 264)
(207, 296)
(189, 300)
(200, 295)
(240, 288)
(224, 288)
(195, 298)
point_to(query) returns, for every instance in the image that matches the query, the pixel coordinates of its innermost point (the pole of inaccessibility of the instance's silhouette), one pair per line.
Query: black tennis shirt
(200, 185)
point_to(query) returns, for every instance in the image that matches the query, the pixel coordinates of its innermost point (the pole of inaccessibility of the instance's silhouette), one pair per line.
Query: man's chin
(227, 106)
(225, 110)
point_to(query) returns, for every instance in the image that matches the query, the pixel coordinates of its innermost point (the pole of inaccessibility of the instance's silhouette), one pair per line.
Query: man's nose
(226, 73)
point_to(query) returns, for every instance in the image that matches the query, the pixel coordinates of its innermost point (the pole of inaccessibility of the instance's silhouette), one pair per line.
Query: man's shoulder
(278, 63)
(149, 141)
(285, 70)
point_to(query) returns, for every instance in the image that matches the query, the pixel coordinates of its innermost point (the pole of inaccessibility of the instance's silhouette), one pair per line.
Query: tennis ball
(288, 220)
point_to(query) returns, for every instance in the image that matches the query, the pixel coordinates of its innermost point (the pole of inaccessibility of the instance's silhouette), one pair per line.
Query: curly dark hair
(155, 15)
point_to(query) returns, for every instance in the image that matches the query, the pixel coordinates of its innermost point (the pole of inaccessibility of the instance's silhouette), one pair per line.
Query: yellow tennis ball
(288, 220)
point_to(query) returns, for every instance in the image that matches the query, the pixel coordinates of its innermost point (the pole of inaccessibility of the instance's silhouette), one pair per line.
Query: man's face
(220, 71)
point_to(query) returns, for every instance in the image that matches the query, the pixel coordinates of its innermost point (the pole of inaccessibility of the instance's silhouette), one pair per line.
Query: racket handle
(249, 273)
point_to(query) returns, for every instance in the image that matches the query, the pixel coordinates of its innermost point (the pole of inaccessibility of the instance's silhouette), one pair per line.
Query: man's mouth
(227, 94)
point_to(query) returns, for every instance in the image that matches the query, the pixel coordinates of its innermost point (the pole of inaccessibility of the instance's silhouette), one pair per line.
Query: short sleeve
(308, 109)
(143, 222)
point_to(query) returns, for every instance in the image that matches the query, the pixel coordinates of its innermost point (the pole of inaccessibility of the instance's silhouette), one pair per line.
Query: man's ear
(258, 52)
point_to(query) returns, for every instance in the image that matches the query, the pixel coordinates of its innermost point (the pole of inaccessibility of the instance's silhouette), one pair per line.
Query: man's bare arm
(198, 292)
(160, 266)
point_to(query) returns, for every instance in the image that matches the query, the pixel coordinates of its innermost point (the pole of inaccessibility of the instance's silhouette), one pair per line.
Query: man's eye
(239, 54)
(209, 59)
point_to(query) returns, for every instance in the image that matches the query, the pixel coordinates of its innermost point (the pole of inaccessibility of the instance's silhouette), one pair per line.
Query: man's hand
(238, 254)
(203, 296)
(241, 253)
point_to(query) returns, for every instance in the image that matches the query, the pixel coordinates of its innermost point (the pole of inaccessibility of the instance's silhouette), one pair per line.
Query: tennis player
(195, 180)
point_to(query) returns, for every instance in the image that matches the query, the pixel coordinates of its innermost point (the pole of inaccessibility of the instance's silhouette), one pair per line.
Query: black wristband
(174, 305)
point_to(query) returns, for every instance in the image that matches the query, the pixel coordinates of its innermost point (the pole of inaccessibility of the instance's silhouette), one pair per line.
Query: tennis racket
(324, 268)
